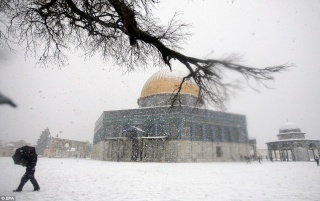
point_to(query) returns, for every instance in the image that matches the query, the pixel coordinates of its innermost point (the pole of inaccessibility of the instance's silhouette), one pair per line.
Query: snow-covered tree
(43, 141)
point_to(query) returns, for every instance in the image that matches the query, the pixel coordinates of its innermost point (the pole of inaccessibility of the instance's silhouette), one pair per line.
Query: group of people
(259, 158)
(249, 158)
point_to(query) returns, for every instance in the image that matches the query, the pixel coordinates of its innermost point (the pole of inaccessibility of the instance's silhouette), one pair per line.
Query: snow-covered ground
(84, 179)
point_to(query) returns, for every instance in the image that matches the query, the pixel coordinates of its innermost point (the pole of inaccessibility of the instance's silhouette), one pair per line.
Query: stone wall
(97, 151)
(67, 148)
(7, 151)
(118, 150)
(162, 150)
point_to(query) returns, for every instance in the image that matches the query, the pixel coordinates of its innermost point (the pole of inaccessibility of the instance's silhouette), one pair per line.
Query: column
(314, 156)
(270, 153)
(283, 155)
(292, 155)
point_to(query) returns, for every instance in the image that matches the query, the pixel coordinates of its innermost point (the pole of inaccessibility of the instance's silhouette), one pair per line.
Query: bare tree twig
(125, 31)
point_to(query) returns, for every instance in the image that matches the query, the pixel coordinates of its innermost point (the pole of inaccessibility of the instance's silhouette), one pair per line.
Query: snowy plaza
(85, 179)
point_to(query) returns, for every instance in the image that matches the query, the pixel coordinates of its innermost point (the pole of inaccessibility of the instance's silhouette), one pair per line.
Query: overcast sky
(69, 100)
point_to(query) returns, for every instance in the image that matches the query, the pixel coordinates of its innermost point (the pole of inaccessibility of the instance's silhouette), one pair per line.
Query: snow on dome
(289, 127)
(166, 81)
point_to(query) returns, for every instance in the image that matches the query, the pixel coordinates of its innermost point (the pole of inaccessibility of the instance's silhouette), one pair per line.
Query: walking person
(29, 160)
(271, 158)
(317, 160)
(247, 158)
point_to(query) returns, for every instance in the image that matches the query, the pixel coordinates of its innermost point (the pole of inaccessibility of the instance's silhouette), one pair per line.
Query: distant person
(317, 160)
(271, 158)
(247, 158)
(29, 175)
(259, 159)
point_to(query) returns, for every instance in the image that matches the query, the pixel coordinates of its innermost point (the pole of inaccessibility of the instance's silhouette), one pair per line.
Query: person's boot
(35, 184)
(17, 190)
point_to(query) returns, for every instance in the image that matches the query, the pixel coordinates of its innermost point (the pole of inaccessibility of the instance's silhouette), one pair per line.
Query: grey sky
(264, 33)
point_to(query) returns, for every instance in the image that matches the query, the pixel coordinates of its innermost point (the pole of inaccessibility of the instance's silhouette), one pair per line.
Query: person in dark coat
(271, 158)
(29, 175)
(317, 160)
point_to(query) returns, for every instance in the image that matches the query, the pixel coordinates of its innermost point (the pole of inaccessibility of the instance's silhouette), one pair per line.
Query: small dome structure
(160, 86)
(290, 131)
(289, 127)
(292, 145)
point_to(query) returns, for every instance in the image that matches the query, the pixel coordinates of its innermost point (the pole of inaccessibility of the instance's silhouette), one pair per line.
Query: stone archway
(311, 148)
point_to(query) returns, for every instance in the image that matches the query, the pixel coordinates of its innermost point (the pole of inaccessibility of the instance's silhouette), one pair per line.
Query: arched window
(234, 135)
(242, 134)
(186, 131)
(208, 133)
(173, 131)
(218, 134)
(162, 130)
(116, 131)
(151, 130)
(198, 132)
(227, 134)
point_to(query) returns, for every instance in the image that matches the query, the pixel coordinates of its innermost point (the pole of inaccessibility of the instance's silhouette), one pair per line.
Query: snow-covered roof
(155, 137)
(114, 138)
(289, 127)
(174, 73)
(10, 145)
(138, 129)
(290, 133)
(289, 140)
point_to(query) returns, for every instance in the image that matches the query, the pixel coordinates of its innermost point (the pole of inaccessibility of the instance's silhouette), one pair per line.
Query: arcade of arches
(292, 145)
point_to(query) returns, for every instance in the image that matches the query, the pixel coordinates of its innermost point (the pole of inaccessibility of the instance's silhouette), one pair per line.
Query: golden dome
(166, 81)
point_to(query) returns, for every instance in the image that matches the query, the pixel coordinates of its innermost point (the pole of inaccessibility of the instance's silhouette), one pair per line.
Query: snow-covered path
(84, 179)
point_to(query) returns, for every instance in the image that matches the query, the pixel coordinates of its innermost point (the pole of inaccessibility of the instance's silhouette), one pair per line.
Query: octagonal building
(155, 132)
(292, 145)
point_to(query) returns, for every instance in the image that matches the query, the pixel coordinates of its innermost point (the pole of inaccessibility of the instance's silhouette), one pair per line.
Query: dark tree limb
(127, 32)
(6, 100)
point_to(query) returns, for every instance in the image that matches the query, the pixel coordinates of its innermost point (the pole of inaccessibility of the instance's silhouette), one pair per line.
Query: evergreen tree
(43, 141)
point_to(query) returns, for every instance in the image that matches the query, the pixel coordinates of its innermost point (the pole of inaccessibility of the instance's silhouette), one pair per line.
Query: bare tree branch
(125, 31)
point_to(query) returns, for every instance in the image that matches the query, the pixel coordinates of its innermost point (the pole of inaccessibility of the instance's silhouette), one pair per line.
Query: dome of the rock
(166, 81)
(160, 86)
